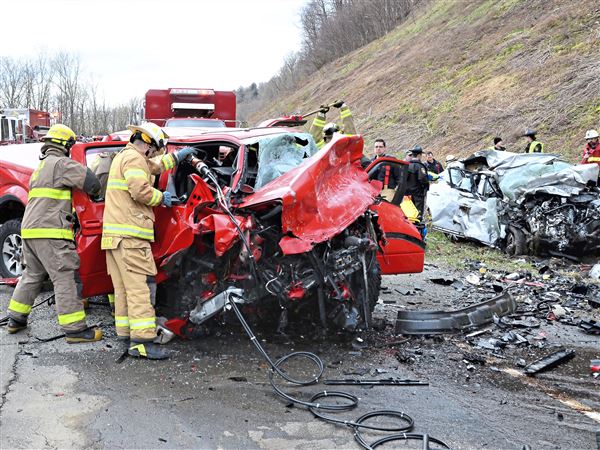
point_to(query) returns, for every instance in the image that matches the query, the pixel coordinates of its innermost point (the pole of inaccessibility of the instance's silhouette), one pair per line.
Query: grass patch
(442, 251)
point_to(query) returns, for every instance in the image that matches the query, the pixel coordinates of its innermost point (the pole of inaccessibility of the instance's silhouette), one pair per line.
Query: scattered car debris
(441, 322)
(550, 361)
(595, 366)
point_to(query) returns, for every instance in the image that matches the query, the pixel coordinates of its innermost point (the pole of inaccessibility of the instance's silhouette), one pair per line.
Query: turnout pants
(132, 269)
(57, 258)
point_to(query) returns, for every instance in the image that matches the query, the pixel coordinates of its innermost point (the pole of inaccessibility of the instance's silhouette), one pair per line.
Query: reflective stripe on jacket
(130, 195)
(532, 147)
(316, 129)
(48, 214)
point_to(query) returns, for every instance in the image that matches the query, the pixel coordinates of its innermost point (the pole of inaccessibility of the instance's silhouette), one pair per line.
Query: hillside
(457, 73)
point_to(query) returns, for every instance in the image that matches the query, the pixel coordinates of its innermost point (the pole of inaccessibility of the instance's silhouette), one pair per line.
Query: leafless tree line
(58, 83)
(330, 29)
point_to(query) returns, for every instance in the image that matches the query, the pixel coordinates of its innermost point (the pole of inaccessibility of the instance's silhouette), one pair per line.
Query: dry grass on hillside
(460, 72)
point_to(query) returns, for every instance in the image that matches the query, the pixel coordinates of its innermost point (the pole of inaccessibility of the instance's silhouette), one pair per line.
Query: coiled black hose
(348, 403)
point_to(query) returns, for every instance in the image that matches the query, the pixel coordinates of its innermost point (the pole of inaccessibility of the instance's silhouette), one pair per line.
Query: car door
(89, 211)
(403, 249)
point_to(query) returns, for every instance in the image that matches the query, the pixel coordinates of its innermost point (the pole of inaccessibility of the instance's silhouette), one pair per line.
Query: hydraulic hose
(349, 401)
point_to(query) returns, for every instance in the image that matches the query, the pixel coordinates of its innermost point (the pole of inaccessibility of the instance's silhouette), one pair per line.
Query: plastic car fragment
(442, 322)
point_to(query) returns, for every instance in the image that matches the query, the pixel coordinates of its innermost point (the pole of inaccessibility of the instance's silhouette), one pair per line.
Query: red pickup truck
(304, 222)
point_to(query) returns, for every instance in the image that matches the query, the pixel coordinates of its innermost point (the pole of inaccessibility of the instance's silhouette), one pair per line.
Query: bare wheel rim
(11, 253)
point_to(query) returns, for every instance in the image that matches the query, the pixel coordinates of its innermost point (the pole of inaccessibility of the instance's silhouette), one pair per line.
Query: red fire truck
(22, 125)
(185, 107)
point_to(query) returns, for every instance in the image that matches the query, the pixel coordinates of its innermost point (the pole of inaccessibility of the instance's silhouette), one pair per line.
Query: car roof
(198, 134)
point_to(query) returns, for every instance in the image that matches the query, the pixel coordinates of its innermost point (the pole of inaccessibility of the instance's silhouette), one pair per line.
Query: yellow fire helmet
(61, 134)
(150, 134)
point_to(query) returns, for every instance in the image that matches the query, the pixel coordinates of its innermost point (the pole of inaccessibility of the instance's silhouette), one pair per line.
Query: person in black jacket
(417, 183)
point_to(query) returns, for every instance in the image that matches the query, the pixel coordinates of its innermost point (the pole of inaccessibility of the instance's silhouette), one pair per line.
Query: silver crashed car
(532, 204)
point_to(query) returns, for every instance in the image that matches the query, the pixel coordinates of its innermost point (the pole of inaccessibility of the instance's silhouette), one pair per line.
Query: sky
(129, 46)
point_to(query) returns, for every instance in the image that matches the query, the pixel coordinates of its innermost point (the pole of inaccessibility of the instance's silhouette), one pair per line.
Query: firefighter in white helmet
(128, 229)
(591, 152)
(48, 241)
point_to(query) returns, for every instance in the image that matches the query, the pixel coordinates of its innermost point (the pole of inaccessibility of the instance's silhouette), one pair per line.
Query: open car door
(404, 250)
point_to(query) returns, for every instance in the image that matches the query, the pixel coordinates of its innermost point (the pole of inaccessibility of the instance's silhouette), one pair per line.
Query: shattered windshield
(278, 154)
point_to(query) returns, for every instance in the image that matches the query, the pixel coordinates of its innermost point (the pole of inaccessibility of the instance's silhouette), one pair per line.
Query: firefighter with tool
(48, 240)
(322, 132)
(128, 229)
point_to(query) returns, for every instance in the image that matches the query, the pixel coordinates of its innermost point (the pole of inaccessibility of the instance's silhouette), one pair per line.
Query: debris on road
(550, 361)
(442, 322)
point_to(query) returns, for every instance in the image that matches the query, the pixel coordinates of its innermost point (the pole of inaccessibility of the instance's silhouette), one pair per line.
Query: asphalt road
(214, 392)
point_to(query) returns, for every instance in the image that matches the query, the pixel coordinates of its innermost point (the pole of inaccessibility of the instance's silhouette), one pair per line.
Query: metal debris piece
(381, 382)
(549, 362)
(443, 281)
(590, 326)
(441, 322)
(595, 365)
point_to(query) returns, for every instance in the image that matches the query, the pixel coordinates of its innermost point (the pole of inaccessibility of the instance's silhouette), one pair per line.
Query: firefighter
(322, 132)
(533, 146)
(128, 229)
(591, 152)
(417, 182)
(101, 168)
(48, 241)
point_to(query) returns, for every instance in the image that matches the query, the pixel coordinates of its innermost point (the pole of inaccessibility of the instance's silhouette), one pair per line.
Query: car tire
(11, 249)
(516, 244)
(373, 282)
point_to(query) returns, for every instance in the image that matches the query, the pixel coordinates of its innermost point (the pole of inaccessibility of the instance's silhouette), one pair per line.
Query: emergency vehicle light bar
(191, 92)
(202, 106)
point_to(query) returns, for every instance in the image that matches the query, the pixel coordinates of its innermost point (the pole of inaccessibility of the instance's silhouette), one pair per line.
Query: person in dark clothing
(417, 183)
(533, 146)
(388, 174)
(498, 144)
(434, 167)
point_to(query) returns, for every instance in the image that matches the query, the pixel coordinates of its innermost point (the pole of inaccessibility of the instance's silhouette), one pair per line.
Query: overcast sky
(130, 46)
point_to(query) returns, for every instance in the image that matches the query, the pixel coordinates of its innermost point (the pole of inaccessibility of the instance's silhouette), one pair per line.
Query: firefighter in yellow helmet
(48, 241)
(322, 132)
(128, 229)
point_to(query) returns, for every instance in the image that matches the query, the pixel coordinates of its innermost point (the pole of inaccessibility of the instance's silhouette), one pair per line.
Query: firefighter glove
(338, 104)
(182, 154)
(167, 199)
(324, 109)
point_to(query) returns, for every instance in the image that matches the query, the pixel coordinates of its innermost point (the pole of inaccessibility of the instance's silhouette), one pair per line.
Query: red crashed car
(261, 213)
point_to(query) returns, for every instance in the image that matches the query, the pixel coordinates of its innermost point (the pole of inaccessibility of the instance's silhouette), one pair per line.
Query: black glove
(338, 104)
(324, 109)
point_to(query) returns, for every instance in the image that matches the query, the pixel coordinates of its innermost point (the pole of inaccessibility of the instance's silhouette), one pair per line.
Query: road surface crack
(11, 381)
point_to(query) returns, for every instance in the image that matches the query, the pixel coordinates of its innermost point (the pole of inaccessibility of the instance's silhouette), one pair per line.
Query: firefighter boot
(148, 350)
(88, 335)
(14, 326)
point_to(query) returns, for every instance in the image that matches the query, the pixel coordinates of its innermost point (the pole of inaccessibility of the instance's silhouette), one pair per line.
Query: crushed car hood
(521, 174)
(320, 197)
